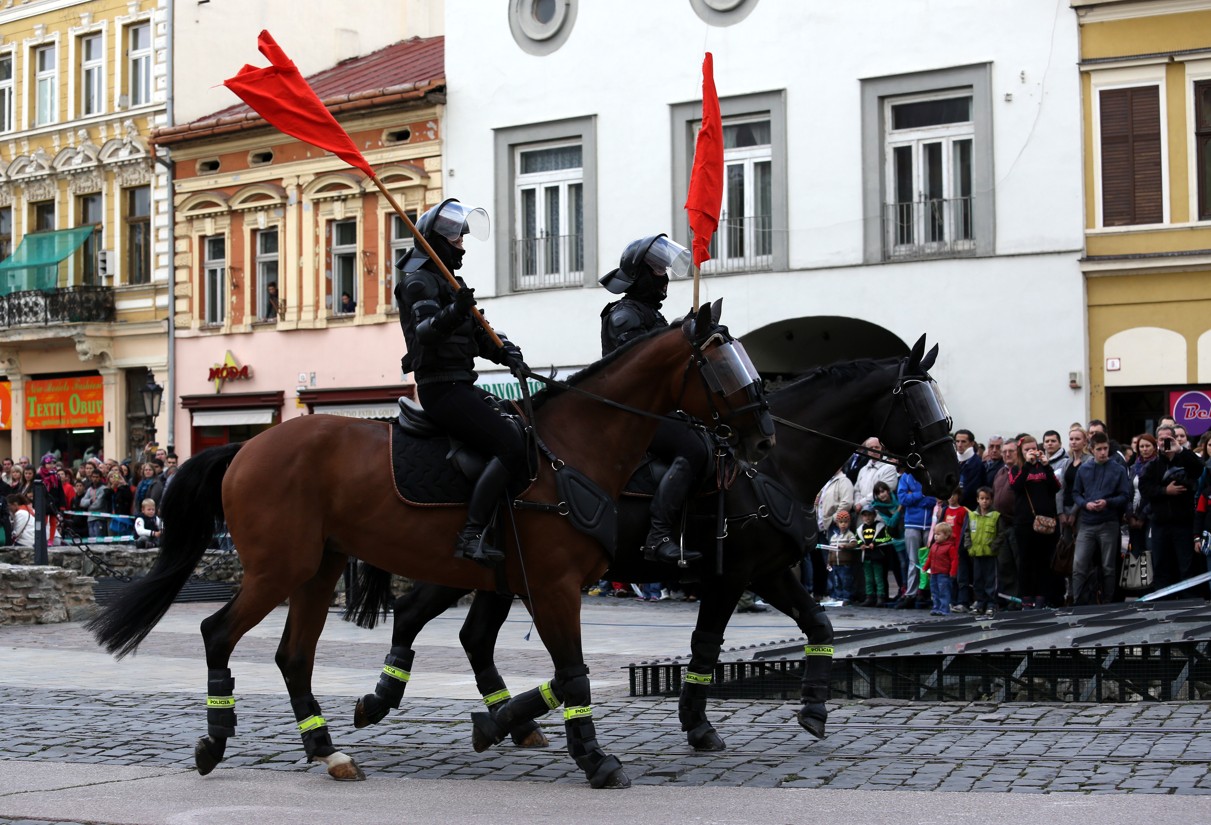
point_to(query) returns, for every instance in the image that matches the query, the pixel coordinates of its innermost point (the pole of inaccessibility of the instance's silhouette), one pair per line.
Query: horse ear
(930, 357)
(914, 356)
(716, 311)
(702, 322)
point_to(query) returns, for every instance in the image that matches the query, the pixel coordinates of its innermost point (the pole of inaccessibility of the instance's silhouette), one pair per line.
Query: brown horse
(294, 539)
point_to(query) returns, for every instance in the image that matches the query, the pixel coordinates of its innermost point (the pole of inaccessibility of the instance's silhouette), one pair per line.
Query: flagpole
(424, 244)
(696, 273)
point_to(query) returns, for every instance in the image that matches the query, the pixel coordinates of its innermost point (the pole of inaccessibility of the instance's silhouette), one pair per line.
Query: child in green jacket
(983, 524)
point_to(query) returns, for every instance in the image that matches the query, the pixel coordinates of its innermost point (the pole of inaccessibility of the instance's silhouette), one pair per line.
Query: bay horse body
(821, 417)
(294, 536)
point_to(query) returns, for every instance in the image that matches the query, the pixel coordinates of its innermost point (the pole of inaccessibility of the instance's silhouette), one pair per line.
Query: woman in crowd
(1034, 485)
(21, 515)
(26, 484)
(122, 501)
(891, 514)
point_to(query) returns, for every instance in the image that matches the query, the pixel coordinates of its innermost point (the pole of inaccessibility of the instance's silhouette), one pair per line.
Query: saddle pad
(423, 475)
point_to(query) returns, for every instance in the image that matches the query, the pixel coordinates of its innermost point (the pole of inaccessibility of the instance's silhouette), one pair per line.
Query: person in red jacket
(943, 566)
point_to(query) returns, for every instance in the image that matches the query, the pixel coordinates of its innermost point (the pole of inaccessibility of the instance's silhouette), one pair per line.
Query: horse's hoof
(811, 723)
(534, 739)
(484, 731)
(342, 768)
(609, 775)
(618, 779)
(207, 753)
(369, 711)
(704, 738)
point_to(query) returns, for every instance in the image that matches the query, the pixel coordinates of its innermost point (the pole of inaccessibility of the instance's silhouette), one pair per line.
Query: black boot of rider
(661, 544)
(470, 543)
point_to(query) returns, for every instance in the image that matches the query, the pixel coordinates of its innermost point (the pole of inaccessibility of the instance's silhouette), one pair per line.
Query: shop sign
(1191, 409)
(61, 403)
(229, 370)
(6, 405)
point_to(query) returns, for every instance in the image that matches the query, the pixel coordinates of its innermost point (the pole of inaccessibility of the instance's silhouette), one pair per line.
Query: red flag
(279, 94)
(706, 180)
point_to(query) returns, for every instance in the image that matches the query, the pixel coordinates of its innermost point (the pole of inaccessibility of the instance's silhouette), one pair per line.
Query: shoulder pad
(624, 317)
(418, 285)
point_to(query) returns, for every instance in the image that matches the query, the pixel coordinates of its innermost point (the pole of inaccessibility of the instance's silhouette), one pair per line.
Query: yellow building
(84, 224)
(1146, 80)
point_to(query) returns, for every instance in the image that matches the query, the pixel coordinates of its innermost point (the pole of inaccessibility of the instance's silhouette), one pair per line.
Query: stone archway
(796, 345)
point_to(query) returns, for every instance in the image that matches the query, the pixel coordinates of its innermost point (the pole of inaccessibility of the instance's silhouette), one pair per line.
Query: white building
(893, 167)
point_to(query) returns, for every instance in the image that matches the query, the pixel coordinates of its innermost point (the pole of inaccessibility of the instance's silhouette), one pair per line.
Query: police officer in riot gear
(443, 341)
(643, 279)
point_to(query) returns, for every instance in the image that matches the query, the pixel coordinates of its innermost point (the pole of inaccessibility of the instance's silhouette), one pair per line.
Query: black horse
(821, 418)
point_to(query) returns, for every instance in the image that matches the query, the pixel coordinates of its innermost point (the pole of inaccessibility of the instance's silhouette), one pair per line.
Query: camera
(1166, 443)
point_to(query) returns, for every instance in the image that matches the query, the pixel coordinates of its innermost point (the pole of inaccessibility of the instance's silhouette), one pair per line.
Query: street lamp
(152, 394)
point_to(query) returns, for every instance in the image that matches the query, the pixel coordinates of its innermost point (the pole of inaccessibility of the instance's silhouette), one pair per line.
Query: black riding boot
(671, 493)
(470, 543)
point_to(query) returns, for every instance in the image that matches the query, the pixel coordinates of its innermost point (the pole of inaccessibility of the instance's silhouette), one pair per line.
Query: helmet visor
(728, 368)
(925, 403)
(665, 254)
(455, 220)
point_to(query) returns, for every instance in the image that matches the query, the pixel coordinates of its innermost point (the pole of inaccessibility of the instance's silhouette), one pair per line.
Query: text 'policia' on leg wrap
(397, 670)
(312, 727)
(817, 671)
(598, 766)
(493, 726)
(220, 704)
(691, 706)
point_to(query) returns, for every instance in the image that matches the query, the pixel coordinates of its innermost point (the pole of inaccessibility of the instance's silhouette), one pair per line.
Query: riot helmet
(443, 227)
(643, 271)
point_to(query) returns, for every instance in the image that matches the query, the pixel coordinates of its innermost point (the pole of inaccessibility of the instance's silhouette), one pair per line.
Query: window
(92, 75)
(752, 233)
(541, 26)
(7, 123)
(929, 150)
(927, 171)
(214, 275)
(46, 86)
(267, 273)
(343, 241)
(1202, 140)
(42, 216)
(138, 235)
(401, 242)
(138, 53)
(546, 196)
(722, 12)
(1130, 121)
(89, 264)
(549, 233)
(6, 232)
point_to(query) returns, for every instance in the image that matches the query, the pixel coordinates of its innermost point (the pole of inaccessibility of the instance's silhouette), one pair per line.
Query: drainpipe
(171, 383)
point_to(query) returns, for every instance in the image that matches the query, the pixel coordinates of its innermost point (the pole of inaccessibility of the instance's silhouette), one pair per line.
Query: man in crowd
(872, 472)
(1097, 425)
(1168, 484)
(1003, 502)
(971, 468)
(1101, 493)
(992, 458)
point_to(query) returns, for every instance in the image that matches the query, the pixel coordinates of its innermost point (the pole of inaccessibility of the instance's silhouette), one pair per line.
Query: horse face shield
(727, 370)
(928, 412)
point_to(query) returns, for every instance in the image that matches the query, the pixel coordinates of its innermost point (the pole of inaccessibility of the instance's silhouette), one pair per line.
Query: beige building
(84, 234)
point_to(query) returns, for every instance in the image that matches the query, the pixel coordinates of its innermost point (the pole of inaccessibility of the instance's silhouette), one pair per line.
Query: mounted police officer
(443, 339)
(642, 277)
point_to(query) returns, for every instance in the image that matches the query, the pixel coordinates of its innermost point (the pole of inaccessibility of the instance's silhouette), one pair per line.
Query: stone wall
(42, 594)
(125, 560)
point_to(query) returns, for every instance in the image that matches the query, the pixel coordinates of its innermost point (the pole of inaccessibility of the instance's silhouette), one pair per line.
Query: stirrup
(666, 552)
(474, 548)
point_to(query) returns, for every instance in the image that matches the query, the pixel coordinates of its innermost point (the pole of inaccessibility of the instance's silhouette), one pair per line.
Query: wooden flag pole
(696, 273)
(424, 244)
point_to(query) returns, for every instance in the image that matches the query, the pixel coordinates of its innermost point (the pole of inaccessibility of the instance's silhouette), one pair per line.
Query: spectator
(983, 525)
(942, 565)
(1201, 449)
(1102, 494)
(1168, 485)
(1059, 460)
(148, 526)
(273, 304)
(150, 485)
(122, 502)
(1182, 437)
(26, 484)
(918, 516)
(21, 515)
(971, 467)
(844, 558)
(891, 515)
(1116, 450)
(953, 512)
(992, 458)
(836, 495)
(347, 304)
(1035, 486)
(6, 473)
(871, 472)
(95, 499)
(874, 542)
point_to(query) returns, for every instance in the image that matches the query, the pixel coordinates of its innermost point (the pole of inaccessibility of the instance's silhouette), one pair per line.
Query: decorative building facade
(84, 234)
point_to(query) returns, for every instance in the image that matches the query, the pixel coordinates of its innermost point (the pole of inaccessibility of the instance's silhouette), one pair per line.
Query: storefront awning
(369, 411)
(35, 264)
(231, 418)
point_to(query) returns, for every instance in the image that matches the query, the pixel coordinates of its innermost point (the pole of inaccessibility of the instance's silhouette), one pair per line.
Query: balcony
(70, 305)
(742, 244)
(550, 262)
(930, 228)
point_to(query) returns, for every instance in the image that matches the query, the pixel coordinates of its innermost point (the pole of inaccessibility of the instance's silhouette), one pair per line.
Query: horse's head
(729, 397)
(918, 424)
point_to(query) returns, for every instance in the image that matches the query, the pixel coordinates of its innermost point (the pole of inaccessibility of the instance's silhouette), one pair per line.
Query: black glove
(464, 299)
(510, 356)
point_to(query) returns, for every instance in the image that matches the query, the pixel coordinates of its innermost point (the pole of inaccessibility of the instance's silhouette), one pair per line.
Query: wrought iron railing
(549, 262)
(744, 244)
(929, 228)
(71, 305)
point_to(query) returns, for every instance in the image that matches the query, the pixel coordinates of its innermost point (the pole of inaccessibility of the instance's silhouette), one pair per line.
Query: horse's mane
(552, 391)
(839, 372)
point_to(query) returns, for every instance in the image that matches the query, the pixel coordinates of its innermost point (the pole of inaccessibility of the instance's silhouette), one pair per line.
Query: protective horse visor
(728, 368)
(455, 220)
(925, 403)
(665, 254)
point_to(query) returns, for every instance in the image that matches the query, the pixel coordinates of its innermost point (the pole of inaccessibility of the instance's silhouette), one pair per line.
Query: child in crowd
(983, 525)
(148, 525)
(875, 542)
(891, 514)
(943, 566)
(955, 514)
(841, 561)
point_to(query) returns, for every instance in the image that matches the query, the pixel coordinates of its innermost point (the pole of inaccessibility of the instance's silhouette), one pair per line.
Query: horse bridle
(913, 460)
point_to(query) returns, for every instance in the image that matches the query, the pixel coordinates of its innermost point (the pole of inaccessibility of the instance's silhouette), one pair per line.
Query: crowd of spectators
(1032, 524)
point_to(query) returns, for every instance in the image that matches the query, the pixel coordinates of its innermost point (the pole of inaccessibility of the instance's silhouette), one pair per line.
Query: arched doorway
(787, 348)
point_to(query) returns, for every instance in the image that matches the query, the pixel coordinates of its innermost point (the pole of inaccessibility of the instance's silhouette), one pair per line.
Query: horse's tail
(191, 509)
(369, 596)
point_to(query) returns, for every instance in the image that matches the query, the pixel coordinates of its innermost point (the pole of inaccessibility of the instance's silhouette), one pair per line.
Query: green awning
(35, 264)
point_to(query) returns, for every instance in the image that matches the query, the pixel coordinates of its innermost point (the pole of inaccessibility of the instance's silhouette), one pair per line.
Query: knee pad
(220, 703)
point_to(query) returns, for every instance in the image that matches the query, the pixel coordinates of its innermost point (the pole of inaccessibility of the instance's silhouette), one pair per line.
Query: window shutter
(1131, 156)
